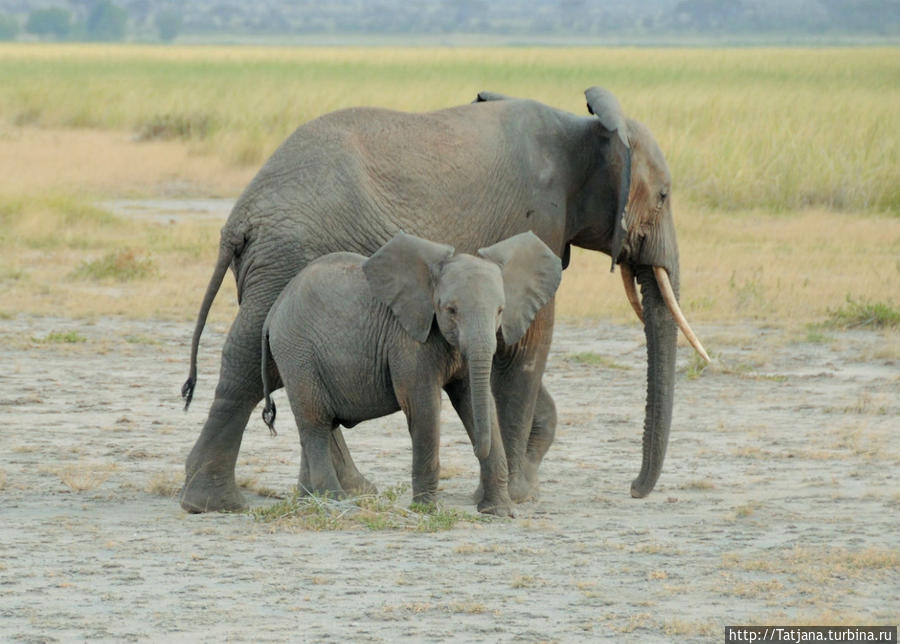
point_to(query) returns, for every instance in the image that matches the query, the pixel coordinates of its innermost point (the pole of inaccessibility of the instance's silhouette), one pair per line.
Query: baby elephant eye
(663, 194)
(451, 310)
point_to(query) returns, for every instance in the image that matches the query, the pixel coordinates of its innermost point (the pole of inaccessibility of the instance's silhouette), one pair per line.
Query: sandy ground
(779, 501)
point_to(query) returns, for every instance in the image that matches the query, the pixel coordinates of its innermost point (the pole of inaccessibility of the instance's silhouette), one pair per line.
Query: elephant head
(639, 235)
(471, 298)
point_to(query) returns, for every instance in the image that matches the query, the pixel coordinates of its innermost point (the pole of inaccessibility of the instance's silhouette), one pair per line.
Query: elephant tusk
(631, 291)
(665, 287)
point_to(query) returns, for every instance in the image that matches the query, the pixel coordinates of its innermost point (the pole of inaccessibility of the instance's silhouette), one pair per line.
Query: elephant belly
(358, 399)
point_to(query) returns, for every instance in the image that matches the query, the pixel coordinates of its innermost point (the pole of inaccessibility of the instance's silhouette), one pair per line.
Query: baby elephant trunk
(483, 411)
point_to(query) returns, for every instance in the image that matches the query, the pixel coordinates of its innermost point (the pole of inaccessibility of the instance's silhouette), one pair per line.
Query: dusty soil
(778, 503)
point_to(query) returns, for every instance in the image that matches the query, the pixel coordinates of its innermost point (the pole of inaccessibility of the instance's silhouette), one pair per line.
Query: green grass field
(785, 161)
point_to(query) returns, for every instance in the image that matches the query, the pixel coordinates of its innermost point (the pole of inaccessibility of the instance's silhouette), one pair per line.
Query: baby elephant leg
(493, 492)
(317, 474)
(423, 417)
(350, 478)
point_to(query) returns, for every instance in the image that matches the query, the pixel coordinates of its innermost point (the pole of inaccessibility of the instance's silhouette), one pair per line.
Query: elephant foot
(524, 486)
(424, 498)
(500, 507)
(328, 487)
(204, 492)
(356, 484)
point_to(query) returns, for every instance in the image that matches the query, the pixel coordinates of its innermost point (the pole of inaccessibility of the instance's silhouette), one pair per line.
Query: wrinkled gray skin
(354, 339)
(468, 176)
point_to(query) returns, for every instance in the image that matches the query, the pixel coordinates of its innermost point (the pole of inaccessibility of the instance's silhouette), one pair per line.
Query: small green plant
(121, 265)
(696, 367)
(814, 335)
(59, 337)
(862, 313)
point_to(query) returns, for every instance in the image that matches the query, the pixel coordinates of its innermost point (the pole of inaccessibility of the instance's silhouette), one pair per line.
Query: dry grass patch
(451, 471)
(867, 439)
(121, 265)
(165, 484)
(372, 512)
(817, 565)
(700, 485)
(84, 477)
(693, 628)
(753, 589)
(655, 548)
(35, 161)
(636, 622)
(526, 581)
(747, 509)
(50, 237)
(755, 265)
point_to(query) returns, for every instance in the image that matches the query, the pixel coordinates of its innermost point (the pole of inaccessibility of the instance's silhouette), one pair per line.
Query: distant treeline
(166, 20)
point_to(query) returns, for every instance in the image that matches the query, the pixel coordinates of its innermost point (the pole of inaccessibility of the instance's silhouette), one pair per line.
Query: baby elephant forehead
(468, 271)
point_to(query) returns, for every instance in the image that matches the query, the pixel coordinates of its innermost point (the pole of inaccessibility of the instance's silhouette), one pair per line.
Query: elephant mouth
(668, 294)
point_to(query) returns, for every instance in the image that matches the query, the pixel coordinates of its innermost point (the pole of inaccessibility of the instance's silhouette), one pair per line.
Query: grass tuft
(696, 367)
(60, 337)
(374, 512)
(186, 127)
(121, 265)
(864, 314)
(165, 484)
(84, 477)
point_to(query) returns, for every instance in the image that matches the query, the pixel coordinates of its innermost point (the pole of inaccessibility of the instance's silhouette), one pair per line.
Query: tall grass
(785, 162)
(778, 129)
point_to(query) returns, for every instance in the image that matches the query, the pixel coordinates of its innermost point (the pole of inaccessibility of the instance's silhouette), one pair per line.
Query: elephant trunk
(483, 410)
(661, 332)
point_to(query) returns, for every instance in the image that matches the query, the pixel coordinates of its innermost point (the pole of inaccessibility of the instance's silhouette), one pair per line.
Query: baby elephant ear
(531, 275)
(401, 276)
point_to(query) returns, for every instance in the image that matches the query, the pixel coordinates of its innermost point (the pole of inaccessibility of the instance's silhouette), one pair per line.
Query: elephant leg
(304, 482)
(517, 388)
(318, 476)
(423, 416)
(492, 495)
(209, 484)
(543, 430)
(351, 480)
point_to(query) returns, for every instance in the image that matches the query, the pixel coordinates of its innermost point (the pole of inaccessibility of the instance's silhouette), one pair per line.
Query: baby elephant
(355, 339)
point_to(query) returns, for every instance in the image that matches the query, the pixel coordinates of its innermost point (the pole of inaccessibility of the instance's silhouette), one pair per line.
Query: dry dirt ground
(778, 503)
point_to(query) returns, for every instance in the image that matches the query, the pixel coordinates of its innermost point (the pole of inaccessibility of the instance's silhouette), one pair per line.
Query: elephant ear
(602, 104)
(531, 275)
(484, 97)
(401, 276)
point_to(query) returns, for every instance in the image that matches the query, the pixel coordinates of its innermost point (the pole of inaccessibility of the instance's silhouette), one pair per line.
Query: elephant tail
(268, 414)
(226, 254)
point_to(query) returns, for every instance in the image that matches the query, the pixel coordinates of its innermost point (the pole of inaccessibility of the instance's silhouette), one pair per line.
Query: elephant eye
(451, 310)
(499, 310)
(663, 194)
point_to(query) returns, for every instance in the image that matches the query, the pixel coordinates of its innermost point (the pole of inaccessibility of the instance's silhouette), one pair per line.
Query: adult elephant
(467, 176)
